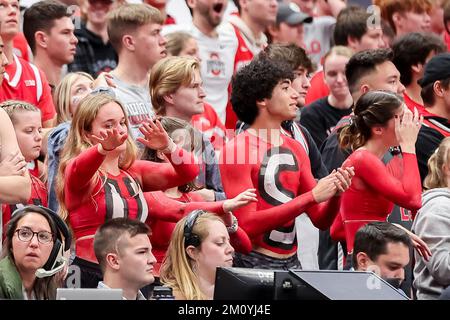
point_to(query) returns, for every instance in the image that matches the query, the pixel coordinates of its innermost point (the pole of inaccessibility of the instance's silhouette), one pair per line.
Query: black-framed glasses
(26, 235)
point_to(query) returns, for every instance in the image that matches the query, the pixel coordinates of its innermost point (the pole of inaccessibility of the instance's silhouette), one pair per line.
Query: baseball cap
(438, 68)
(291, 14)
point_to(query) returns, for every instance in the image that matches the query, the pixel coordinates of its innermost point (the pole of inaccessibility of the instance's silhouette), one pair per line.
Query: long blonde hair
(436, 177)
(177, 270)
(62, 97)
(77, 141)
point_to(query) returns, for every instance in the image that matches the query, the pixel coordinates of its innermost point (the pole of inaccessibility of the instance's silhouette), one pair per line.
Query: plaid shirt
(92, 55)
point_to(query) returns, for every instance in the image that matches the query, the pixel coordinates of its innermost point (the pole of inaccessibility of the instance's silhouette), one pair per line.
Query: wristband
(107, 150)
(171, 147)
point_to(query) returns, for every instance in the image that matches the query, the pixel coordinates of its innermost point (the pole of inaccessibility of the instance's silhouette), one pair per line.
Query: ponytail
(374, 108)
(351, 136)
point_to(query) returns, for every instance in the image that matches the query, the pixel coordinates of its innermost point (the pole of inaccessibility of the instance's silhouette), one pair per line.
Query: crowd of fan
(145, 151)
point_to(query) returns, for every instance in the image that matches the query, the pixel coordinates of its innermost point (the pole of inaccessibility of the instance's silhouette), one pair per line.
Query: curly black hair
(256, 82)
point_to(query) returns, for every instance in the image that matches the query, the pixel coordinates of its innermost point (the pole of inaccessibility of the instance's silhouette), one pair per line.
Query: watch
(234, 225)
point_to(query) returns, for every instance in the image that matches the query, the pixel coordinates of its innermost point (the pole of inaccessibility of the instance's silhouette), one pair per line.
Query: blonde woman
(67, 96)
(100, 179)
(200, 243)
(432, 224)
(182, 44)
(72, 88)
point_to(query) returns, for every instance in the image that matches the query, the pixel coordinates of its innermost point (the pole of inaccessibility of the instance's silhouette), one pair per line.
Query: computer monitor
(243, 284)
(333, 285)
(88, 294)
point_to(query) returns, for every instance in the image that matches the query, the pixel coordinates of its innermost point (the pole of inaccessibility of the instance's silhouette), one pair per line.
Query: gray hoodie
(432, 224)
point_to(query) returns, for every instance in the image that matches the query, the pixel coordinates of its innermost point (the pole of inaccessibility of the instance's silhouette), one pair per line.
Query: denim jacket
(56, 140)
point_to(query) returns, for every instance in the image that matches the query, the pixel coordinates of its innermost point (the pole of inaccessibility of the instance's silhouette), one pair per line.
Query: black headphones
(190, 238)
(54, 259)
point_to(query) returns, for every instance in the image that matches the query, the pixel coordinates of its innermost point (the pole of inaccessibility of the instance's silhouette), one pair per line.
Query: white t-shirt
(179, 10)
(137, 102)
(318, 36)
(217, 56)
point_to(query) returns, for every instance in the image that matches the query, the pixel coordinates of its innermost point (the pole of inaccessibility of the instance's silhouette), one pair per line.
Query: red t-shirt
(20, 45)
(411, 104)
(318, 88)
(24, 81)
(447, 40)
(210, 125)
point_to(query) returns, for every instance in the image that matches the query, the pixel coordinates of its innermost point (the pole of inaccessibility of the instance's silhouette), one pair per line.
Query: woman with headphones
(33, 254)
(200, 243)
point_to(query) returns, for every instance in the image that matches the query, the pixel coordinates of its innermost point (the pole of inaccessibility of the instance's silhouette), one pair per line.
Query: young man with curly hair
(276, 166)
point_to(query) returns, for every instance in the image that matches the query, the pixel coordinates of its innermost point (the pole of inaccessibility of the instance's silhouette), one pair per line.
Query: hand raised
(156, 137)
(407, 128)
(240, 200)
(110, 139)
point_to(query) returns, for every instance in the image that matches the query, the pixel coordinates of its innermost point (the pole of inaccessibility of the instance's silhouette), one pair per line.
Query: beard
(204, 11)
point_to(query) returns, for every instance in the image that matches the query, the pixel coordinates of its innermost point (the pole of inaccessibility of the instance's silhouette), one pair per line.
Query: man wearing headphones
(124, 252)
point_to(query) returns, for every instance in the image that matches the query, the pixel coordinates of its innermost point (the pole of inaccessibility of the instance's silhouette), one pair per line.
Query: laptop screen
(88, 294)
(350, 285)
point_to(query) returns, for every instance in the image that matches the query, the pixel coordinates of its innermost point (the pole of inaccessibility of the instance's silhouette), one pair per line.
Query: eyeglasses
(26, 235)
